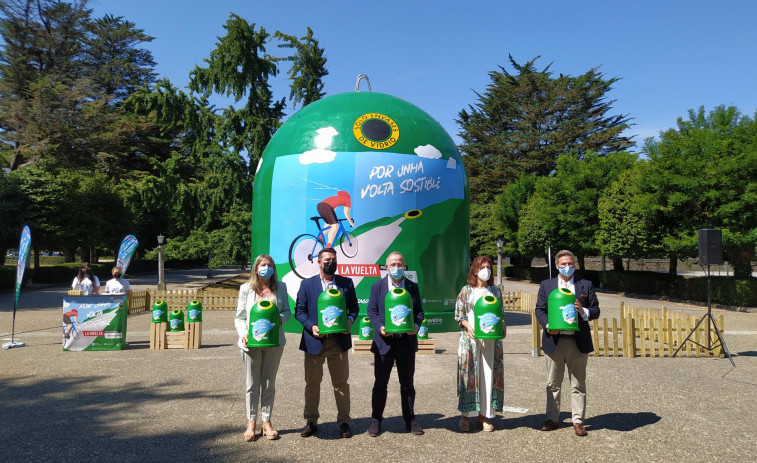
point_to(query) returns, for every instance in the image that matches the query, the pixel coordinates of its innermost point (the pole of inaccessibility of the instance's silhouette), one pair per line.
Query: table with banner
(94, 322)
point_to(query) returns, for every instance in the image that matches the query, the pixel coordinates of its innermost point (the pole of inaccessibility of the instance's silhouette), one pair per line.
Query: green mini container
(159, 312)
(264, 325)
(398, 313)
(423, 330)
(561, 310)
(332, 312)
(176, 320)
(489, 318)
(366, 329)
(194, 311)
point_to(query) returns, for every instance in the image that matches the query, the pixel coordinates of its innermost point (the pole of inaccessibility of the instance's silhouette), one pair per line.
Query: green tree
(626, 219)
(508, 210)
(703, 174)
(239, 67)
(524, 121)
(564, 206)
(308, 67)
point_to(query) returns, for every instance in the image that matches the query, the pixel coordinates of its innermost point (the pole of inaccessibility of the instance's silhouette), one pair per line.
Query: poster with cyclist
(366, 173)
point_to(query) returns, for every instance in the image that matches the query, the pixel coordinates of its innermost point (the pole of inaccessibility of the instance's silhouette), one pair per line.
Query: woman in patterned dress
(480, 367)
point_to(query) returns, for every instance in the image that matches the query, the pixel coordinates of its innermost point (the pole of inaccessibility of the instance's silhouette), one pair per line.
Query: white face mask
(485, 273)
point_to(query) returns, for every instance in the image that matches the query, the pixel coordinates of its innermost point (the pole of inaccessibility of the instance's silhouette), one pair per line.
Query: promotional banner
(367, 174)
(94, 322)
(23, 256)
(126, 252)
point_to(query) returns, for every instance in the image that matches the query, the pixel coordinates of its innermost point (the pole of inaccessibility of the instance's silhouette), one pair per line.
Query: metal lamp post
(161, 266)
(500, 243)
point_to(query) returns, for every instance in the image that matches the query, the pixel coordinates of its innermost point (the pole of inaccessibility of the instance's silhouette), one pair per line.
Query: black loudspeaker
(710, 246)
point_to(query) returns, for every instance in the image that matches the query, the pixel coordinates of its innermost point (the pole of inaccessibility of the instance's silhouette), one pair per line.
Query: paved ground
(139, 405)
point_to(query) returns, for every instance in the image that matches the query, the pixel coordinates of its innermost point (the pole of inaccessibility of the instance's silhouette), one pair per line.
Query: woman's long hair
(256, 282)
(475, 266)
(80, 276)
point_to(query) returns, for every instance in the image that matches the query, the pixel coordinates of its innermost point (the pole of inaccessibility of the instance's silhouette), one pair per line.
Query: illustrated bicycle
(305, 248)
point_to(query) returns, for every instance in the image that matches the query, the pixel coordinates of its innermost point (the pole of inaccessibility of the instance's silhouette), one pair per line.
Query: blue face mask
(265, 271)
(397, 272)
(566, 271)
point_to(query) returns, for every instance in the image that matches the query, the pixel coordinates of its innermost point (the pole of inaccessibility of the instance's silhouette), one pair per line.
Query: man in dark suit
(569, 348)
(389, 348)
(332, 347)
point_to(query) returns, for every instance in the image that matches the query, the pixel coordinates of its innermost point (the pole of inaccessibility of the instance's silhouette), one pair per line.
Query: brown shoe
(550, 425)
(580, 430)
(309, 429)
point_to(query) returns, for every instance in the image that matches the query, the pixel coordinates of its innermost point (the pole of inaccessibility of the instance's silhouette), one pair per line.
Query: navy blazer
(585, 294)
(306, 311)
(376, 312)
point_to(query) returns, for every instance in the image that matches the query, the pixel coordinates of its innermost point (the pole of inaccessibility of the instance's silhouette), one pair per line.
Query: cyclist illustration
(327, 211)
(70, 322)
(304, 249)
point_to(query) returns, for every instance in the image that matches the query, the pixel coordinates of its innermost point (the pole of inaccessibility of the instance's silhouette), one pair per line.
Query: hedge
(729, 291)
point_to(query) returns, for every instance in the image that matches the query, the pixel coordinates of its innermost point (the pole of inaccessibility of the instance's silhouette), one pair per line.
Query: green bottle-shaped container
(366, 329)
(332, 312)
(159, 311)
(264, 325)
(423, 330)
(489, 318)
(176, 320)
(398, 311)
(194, 311)
(561, 310)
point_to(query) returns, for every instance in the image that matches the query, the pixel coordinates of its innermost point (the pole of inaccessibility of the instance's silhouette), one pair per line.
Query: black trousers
(404, 357)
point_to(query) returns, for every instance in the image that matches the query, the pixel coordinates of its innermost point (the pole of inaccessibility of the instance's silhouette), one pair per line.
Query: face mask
(329, 268)
(484, 274)
(566, 271)
(265, 271)
(116, 276)
(397, 272)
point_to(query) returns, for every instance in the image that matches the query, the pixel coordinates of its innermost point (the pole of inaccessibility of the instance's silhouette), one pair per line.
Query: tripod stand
(710, 323)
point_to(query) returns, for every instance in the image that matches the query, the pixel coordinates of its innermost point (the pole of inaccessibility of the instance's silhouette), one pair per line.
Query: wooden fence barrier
(640, 332)
(211, 298)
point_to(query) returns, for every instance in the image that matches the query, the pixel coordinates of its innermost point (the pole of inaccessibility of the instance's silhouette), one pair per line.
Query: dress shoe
(550, 425)
(309, 429)
(415, 428)
(375, 428)
(345, 430)
(580, 430)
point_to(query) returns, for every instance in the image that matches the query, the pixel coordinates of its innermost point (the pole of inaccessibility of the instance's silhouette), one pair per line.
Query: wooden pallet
(161, 338)
(363, 347)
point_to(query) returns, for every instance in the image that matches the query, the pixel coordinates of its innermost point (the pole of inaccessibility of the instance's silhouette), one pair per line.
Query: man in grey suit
(569, 348)
(389, 348)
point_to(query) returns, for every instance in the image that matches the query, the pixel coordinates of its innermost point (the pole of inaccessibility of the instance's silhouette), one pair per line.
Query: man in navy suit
(569, 348)
(389, 348)
(332, 347)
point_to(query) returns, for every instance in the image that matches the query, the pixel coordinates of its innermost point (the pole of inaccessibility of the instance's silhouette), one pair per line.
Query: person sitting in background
(86, 288)
(117, 285)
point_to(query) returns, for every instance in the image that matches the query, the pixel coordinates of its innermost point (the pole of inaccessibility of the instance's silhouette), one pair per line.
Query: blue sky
(672, 55)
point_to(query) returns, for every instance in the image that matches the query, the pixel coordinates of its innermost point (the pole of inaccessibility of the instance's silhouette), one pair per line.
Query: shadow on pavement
(621, 421)
(69, 418)
(517, 318)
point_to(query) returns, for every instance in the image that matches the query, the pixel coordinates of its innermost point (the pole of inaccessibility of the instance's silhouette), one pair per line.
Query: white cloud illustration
(324, 138)
(452, 164)
(317, 156)
(428, 151)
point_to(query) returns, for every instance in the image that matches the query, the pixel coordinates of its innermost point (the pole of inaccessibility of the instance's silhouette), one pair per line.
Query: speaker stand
(710, 323)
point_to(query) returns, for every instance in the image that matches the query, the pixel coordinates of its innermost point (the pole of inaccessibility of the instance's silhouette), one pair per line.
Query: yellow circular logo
(376, 131)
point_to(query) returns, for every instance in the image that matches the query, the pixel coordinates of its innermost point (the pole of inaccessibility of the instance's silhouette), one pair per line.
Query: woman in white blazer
(261, 363)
